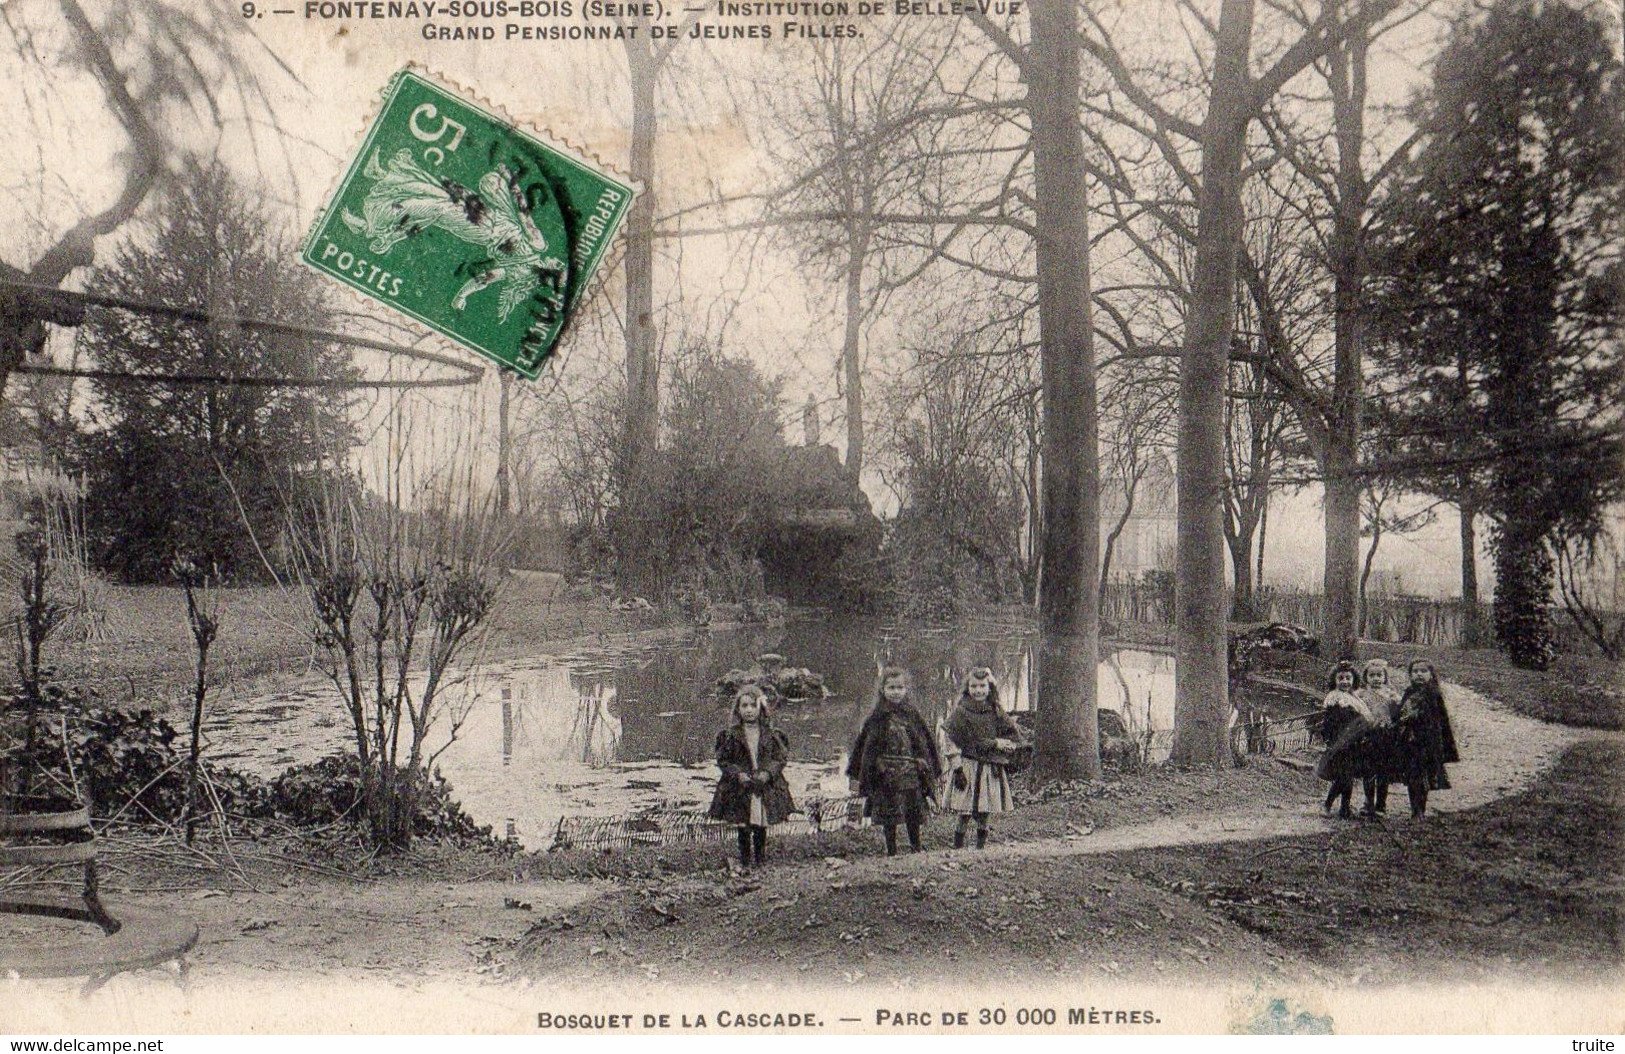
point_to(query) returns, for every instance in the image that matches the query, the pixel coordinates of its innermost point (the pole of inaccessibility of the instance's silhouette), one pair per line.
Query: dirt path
(409, 931)
(1503, 753)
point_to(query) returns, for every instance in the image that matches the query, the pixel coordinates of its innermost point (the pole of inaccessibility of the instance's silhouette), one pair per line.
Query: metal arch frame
(469, 373)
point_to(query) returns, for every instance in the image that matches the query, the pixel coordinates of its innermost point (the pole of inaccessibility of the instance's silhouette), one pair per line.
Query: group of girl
(895, 764)
(1377, 735)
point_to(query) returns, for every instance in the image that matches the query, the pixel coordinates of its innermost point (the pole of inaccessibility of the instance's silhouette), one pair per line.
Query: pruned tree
(399, 576)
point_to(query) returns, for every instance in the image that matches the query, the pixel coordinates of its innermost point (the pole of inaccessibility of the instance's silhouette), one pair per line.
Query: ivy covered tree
(205, 471)
(1501, 293)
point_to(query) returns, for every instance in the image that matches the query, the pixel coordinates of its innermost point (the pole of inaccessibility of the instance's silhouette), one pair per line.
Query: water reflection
(619, 729)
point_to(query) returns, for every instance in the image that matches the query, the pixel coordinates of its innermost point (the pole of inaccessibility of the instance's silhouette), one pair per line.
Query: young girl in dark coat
(1426, 741)
(752, 792)
(895, 762)
(1347, 720)
(983, 736)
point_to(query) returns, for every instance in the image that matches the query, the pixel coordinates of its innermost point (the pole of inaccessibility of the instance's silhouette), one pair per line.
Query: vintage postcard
(811, 517)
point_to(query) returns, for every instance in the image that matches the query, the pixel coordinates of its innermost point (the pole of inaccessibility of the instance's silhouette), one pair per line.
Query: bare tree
(1332, 409)
(1136, 430)
(1378, 520)
(1261, 429)
(1235, 98)
(138, 60)
(646, 59)
(398, 579)
(958, 426)
(856, 152)
(1591, 581)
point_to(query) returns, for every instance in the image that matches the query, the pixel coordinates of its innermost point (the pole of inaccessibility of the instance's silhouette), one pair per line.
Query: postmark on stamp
(479, 229)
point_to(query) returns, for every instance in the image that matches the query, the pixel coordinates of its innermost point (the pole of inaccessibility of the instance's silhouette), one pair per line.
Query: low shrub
(127, 764)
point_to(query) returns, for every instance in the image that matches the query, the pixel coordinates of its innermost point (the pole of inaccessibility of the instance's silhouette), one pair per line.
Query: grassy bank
(1586, 691)
(144, 656)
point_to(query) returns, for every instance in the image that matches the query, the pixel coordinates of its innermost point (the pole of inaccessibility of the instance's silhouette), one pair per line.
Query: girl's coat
(869, 765)
(979, 783)
(1429, 741)
(1344, 727)
(1413, 749)
(731, 803)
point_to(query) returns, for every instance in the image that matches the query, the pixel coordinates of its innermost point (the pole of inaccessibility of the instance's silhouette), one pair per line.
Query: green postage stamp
(472, 226)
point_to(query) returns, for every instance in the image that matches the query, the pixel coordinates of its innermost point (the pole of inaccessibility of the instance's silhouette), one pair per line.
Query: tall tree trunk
(642, 369)
(1068, 735)
(1241, 564)
(1201, 679)
(505, 445)
(1472, 623)
(857, 250)
(1343, 484)
(1340, 630)
(641, 406)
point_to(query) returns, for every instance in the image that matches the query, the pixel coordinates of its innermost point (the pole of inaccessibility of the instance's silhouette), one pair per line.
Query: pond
(615, 729)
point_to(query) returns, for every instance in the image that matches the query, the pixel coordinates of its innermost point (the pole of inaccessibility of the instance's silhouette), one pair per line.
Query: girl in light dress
(981, 738)
(1382, 700)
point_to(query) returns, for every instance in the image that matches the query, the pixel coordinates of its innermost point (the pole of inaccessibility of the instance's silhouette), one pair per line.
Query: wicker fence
(1391, 619)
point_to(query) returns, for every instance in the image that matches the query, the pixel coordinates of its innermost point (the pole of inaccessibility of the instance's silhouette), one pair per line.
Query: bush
(329, 791)
(126, 764)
